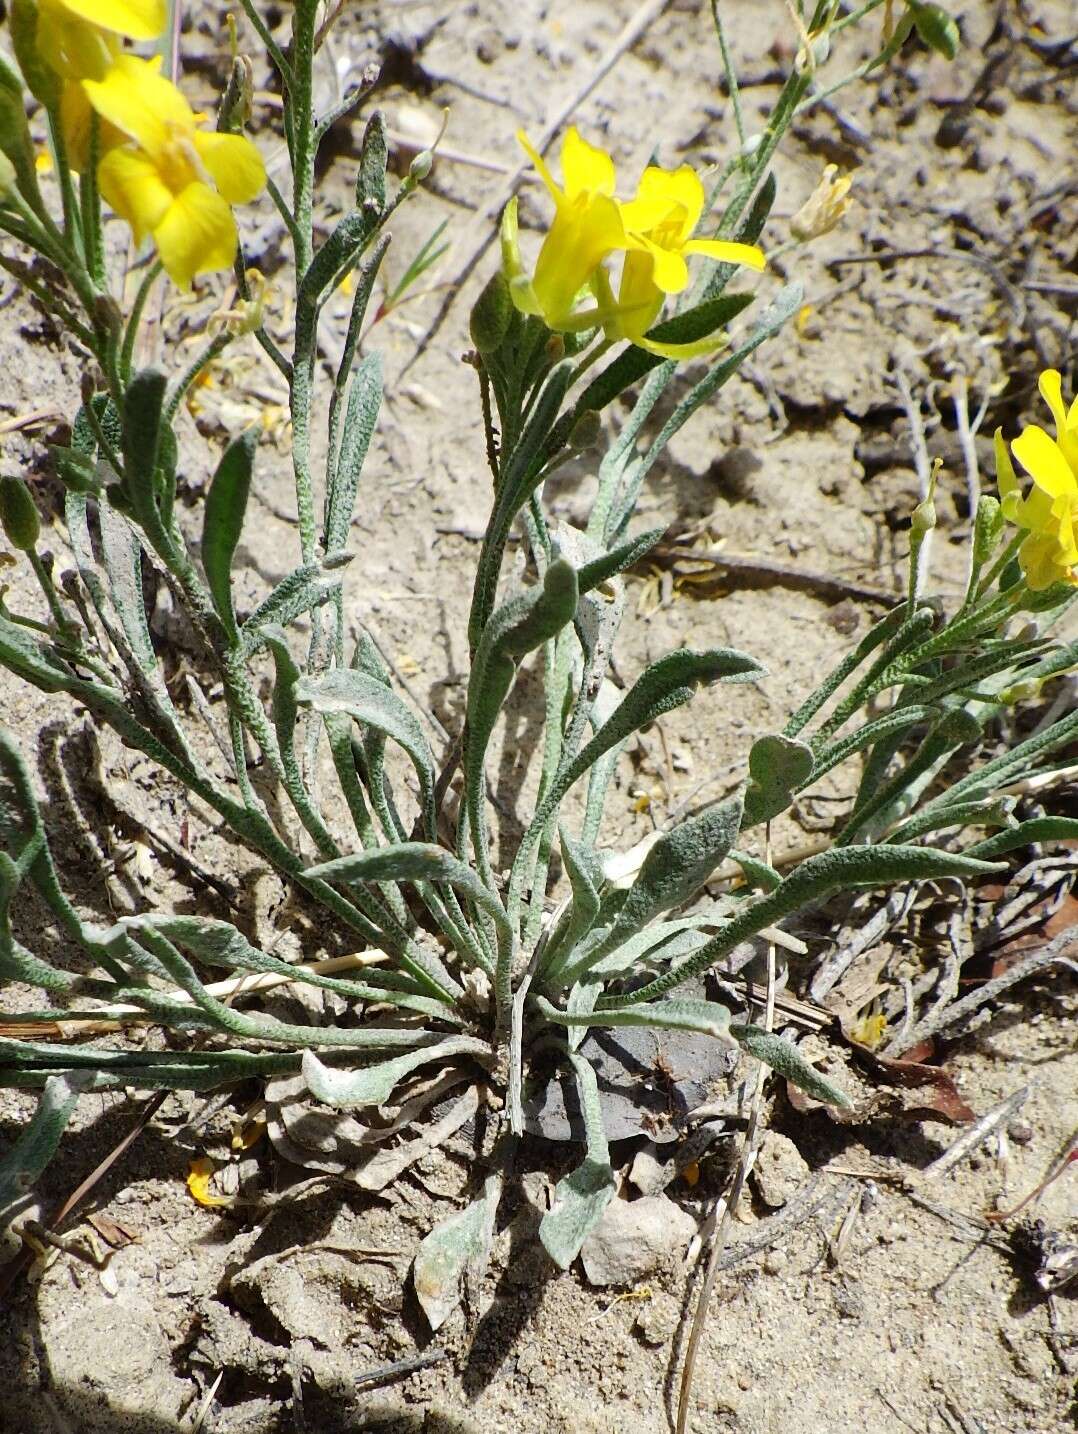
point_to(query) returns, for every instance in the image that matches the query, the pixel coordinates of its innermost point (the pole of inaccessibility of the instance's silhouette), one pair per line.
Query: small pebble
(1020, 1131)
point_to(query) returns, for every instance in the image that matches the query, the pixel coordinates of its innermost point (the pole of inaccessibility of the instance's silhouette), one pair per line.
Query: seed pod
(491, 314)
(18, 515)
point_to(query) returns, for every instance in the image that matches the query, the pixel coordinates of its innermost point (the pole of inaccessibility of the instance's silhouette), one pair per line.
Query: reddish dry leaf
(111, 1231)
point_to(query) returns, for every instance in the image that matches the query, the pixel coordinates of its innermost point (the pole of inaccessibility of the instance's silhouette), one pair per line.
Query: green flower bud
(18, 515)
(936, 28)
(491, 314)
(421, 166)
(987, 528)
(924, 516)
(7, 177)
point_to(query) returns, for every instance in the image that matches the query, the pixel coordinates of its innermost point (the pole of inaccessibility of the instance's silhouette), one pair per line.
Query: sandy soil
(916, 1321)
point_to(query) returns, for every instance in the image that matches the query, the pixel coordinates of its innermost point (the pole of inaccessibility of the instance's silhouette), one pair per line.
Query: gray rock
(633, 1238)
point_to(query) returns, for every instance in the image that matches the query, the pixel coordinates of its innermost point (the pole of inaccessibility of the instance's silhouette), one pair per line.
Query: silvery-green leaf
(585, 871)
(675, 868)
(366, 700)
(143, 428)
(1037, 829)
(373, 1085)
(580, 1197)
(122, 553)
(457, 1246)
(36, 1144)
(413, 861)
(839, 869)
(788, 1061)
(361, 417)
(304, 588)
(666, 684)
(778, 766)
(684, 1014)
(222, 523)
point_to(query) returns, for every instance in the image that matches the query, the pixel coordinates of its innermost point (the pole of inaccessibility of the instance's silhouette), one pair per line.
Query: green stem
(142, 295)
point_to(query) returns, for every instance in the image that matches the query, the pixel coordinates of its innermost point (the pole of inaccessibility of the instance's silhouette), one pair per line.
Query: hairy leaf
(226, 504)
(373, 1085)
(456, 1246)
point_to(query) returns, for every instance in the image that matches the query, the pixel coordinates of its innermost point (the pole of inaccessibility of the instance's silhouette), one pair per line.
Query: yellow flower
(659, 224)
(59, 43)
(1050, 512)
(79, 39)
(587, 227)
(173, 180)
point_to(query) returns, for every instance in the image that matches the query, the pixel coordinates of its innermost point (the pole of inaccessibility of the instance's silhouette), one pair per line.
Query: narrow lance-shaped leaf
(708, 1018)
(840, 869)
(361, 417)
(37, 1143)
(788, 1061)
(674, 869)
(1037, 829)
(366, 700)
(222, 523)
(373, 1085)
(414, 861)
(580, 1197)
(457, 1246)
(666, 684)
(142, 428)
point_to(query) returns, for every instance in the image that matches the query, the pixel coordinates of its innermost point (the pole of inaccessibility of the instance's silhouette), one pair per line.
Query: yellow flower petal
(541, 167)
(728, 253)
(669, 270)
(679, 190)
(1044, 461)
(197, 235)
(234, 164)
(579, 239)
(138, 100)
(134, 19)
(199, 1174)
(131, 185)
(585, 169)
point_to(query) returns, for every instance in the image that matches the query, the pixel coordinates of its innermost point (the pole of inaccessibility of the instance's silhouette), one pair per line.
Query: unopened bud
(924, 516)
(1021, 691)
(18, 515)
(491, 314)
(987, 528)
(421, 166)
(7, 177)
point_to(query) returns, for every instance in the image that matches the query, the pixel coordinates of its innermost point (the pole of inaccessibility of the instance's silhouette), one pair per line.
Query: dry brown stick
(1063, 948)
(766, 570)
(645, 15)
(14, 1268)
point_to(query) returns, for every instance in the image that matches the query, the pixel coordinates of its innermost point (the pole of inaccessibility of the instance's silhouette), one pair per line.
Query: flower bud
(421, 166)
(7, 177)
(491, 314)
(987, 528)
(18, 515)
(1021, 691)
(555, 349)
(924, 517)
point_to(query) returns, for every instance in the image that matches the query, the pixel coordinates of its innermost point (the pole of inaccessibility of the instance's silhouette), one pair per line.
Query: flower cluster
(163, 173)
(654, 231)
(1050, 512)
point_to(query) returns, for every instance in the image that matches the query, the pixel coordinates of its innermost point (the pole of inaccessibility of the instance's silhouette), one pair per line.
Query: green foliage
(473, 974)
